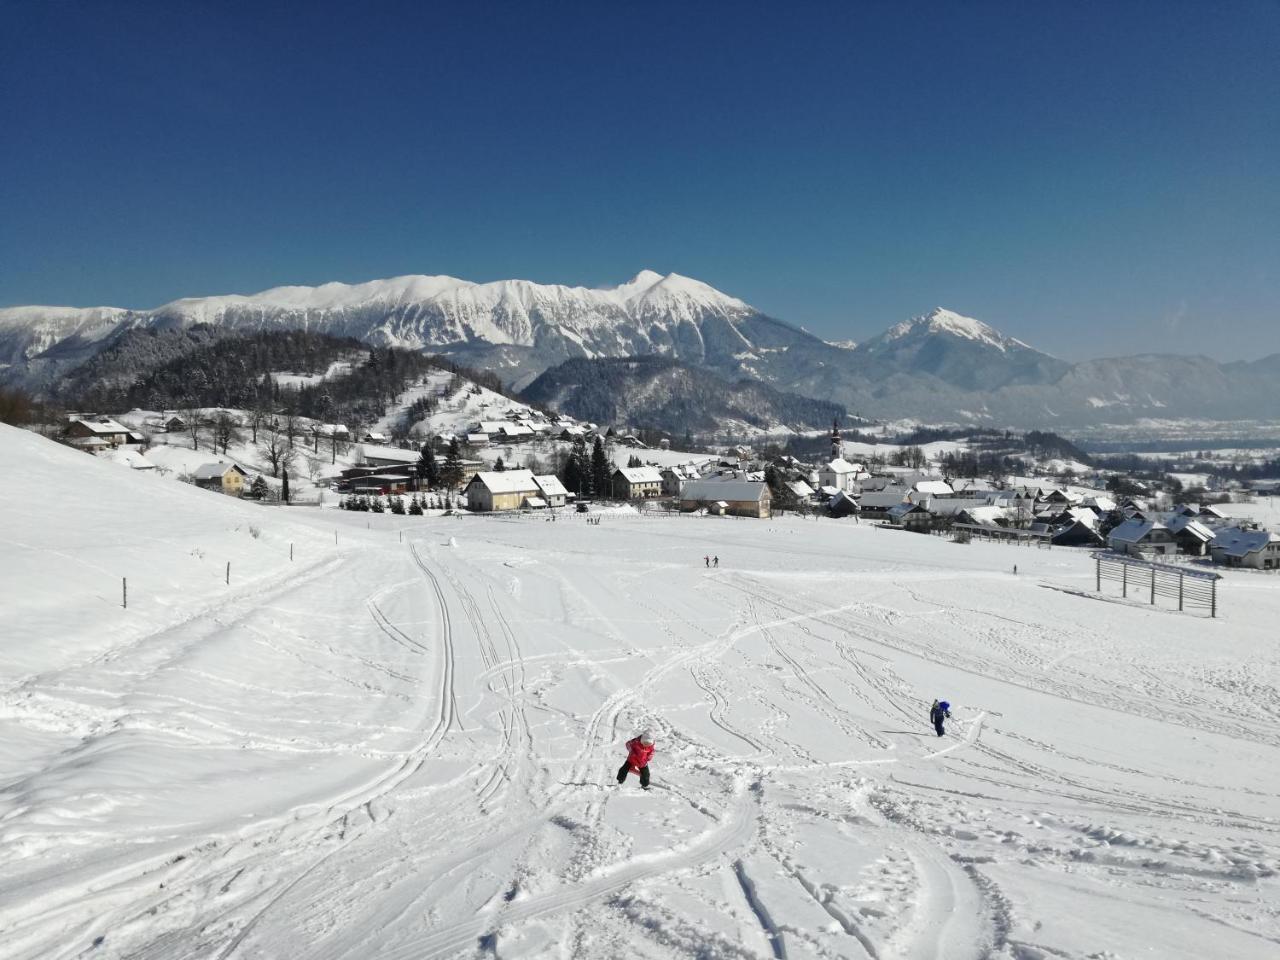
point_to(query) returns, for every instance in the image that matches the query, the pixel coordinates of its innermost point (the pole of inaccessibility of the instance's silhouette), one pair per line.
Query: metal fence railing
(1196, 589)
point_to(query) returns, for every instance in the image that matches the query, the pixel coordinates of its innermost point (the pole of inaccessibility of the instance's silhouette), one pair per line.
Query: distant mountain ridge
(940, 367)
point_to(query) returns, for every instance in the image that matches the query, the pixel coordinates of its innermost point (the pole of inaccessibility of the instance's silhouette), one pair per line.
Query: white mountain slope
(535, 324)
(422, 311)
(403, 745)
(941, 320)
(942, 366)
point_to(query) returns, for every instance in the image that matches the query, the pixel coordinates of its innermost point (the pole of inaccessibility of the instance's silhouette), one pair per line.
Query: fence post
(228, 573)
(291, 551)
(1097, 572)
(124, 592)
(1153, 586)
(1124, 580)
(1181, 578)
(1213, 598)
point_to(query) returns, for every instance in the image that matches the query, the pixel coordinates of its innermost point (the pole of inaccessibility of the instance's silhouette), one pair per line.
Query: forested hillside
(104, 380)
(310, 374)
(668, 395)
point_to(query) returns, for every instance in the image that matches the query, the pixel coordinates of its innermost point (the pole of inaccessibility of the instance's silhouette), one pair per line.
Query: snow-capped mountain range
(940, 366)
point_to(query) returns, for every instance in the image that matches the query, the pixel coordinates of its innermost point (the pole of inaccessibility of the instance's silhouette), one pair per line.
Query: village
(483, 453)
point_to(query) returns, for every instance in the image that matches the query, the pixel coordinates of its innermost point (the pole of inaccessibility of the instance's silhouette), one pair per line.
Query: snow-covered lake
(402, 742)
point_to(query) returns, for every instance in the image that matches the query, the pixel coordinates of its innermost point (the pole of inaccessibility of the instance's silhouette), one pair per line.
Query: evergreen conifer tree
(451, 475)
(577, 472)
(600, 469)
(428, 469)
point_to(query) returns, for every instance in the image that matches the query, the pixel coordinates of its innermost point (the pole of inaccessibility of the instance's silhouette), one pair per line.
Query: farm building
(743, 498)
(491, 490)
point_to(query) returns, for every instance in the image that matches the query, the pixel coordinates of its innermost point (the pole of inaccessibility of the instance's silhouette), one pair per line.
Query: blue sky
(1094, 178)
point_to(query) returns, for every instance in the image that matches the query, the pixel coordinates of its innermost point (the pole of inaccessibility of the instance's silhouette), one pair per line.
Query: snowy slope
(404, 748)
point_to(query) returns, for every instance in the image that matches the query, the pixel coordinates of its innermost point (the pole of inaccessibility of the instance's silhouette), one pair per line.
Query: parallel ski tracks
(263, 849)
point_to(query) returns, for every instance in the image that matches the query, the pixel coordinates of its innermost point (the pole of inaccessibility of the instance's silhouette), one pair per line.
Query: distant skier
(707, 561)
(715, 561)
(941, 710)
(639, 753)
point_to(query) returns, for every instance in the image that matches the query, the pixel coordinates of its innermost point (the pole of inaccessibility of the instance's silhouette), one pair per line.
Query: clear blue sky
(1095, 178)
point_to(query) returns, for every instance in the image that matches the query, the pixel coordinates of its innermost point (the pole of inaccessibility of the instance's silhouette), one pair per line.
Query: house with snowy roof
(843, 504)
(228, 478)
(743, 498)
(930, 488)
(104, 431)
(982, 515)
(674, 478)
(493, 490)
(553, 491)
(1081, 531)
(911, 516)
(1142, 537)
(636, 483)
(877, 503)
(971, 486)
(800, 490)
(1258, 549)
(1191, 533)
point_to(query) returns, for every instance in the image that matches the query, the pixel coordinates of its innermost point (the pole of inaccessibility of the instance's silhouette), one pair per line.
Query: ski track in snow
(466, 733)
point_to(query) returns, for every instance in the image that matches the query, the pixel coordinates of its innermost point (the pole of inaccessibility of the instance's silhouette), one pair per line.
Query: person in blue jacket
(941, 710)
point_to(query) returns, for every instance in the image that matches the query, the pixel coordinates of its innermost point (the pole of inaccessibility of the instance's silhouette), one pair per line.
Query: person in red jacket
(639, 753)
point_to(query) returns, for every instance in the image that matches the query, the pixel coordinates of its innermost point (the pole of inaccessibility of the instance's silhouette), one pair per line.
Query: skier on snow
(941, 710)
(639, 753)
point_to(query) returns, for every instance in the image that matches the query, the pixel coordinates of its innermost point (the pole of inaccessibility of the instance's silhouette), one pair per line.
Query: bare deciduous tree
(275, 447)
(257, 417)
(292, 428)
(226, 431)
(336, 446)
(193, 424)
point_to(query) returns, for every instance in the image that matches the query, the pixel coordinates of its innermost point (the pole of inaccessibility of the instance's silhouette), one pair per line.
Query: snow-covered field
(402, 744)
